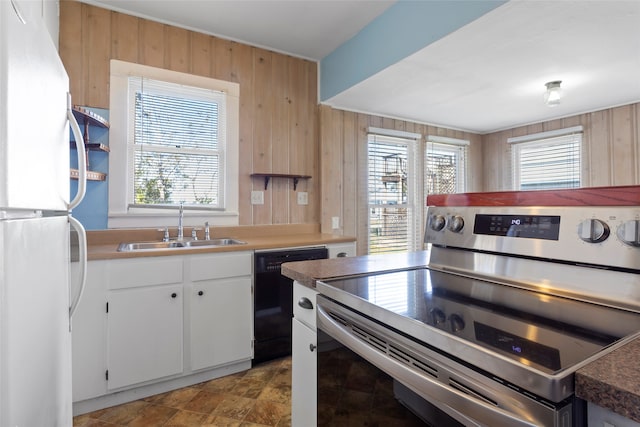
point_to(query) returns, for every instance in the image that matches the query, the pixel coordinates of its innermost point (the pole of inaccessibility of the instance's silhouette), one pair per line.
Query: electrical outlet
(257, 197)
(303, 198)
(335, 222)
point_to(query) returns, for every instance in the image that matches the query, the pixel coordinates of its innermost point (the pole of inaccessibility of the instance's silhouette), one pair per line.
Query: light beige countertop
(103, 244)
(612, 381)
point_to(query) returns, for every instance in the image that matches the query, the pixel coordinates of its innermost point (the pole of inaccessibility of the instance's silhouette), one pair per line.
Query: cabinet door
(88, 334)
(303, 376)
(221, 322)
(144, 334)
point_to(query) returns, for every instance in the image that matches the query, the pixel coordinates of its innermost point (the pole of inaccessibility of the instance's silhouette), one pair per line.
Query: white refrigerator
(36, 296)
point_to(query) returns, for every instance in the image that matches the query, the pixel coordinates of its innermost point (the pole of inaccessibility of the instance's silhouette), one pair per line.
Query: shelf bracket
(268, 176)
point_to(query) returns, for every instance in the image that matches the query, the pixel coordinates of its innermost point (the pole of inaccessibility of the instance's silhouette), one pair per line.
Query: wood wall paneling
(344, 166)
(610, 153)
(124, 37)
(71, 47)
(262, 138)
(278, 96)
(283, 130)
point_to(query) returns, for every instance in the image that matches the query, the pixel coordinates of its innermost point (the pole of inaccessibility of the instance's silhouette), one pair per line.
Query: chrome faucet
(180, 215)
(206, 231)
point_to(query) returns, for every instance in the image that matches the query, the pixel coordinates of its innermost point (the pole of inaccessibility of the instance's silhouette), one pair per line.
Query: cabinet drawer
(133, 273)
(220, 265)
(304, 315)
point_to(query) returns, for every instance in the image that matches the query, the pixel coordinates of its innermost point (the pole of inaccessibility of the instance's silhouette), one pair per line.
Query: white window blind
(176, 144)
(548, 163)
(392, 195)
(445, 167)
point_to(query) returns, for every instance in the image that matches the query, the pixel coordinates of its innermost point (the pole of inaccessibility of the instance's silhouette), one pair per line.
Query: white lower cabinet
(304, 359)
(220, 322)
(152, 324)
(88, 330)
(221, 319)
(144, 334)
(303, 376)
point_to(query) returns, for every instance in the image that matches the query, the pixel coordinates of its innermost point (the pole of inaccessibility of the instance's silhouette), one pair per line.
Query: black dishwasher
(273, 301)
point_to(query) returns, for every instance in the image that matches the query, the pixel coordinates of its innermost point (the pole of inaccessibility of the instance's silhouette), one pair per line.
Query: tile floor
(258, 397)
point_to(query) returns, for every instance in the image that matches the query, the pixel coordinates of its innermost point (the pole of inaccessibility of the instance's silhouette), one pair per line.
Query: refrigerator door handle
(82, 160)
(82, 261)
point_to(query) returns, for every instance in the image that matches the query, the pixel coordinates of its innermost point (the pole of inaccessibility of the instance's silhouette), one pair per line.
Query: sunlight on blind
(178, 144)
(388, 208)
(445, 168)
(547, 164)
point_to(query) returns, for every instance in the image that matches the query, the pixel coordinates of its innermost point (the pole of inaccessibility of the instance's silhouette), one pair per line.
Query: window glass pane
(175, 122)
(170, 178)
(388, 209)
(445, 166)
(177, 144)
(548, 163)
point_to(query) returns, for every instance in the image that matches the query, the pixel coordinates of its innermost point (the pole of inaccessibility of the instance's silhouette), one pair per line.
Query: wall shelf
(87, 118)
(91, 175)
(267, 176)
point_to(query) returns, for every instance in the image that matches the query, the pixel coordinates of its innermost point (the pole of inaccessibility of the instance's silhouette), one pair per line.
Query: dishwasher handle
(442, 396)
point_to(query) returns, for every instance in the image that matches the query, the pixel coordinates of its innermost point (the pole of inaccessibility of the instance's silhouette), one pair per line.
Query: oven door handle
(439, 394)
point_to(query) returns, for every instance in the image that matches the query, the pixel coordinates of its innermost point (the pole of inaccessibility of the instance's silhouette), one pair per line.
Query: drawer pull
(174, 295)
(200, 293)
(304, 302)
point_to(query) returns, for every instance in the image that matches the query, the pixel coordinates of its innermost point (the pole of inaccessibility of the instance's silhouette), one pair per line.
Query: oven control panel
(608, 236)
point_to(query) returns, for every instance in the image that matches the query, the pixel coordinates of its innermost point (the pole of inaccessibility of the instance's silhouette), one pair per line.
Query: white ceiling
(488, 75)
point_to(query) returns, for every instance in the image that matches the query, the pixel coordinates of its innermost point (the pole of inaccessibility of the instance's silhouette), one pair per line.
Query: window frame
(546, 139)
(121, 211)
(412, 206)
(460, 148)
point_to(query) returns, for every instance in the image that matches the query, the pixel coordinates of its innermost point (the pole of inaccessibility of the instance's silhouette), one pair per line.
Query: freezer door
(35, 341)
(34, 132)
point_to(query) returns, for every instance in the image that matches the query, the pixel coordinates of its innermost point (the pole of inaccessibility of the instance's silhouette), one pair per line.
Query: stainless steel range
(513, 301)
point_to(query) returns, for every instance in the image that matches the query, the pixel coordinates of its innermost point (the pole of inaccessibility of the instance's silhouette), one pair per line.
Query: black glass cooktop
(544, 331)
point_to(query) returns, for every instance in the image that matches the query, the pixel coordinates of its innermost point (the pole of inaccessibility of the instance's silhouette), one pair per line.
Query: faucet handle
(166, 234)
(206, 231)
(194, 234)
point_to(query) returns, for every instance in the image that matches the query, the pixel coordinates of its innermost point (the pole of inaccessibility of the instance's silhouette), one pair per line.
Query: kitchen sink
(213, 242)
(176, 244)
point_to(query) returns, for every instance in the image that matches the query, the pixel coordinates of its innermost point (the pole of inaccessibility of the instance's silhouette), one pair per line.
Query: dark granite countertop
(612, 381)
(308, 272)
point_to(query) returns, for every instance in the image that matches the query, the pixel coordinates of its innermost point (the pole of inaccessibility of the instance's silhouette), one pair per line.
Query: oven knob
(457, 323)
(593, 230)
(437, 316)
(436, 222)
(629, 233)
(456, 223)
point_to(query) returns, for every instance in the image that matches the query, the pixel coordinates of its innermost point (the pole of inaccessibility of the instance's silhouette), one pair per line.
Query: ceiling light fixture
(553, 93)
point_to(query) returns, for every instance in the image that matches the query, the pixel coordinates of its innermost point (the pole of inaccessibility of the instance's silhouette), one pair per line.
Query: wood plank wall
(283, 130)
(278, 97)
(343, 163)
(611, 148)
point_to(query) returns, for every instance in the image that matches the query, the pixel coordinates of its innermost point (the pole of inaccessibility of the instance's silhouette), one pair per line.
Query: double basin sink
(176, 244)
